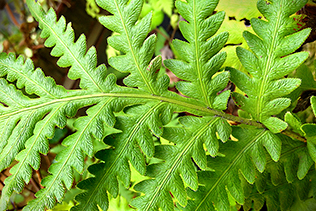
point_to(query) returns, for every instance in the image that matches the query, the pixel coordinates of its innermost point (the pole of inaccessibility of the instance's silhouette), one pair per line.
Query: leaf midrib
(193, 107)
(197, 52)
(266, 71)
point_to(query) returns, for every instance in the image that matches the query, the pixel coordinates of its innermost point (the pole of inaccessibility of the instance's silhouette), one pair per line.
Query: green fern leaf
(20, 116)
(269, 62)
(136, 126)
(241, 159)
(25, 126)
(309, 132)
(132, 42)
(72, 54)
(89, 127)
(294, 163)
(143, 76)
(308, 84)
(200, 59)
(288, 196)
(294, 123)
(284, 176)
(29, 113)
(195, 169)
(238, 155)
(178, 171)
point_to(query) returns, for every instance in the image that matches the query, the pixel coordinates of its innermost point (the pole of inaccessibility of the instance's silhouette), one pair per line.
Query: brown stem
(35, 185)
(39, 176)
(160, 32)
(47, 160)
(174, 31)
(12, 15)
(294, 135)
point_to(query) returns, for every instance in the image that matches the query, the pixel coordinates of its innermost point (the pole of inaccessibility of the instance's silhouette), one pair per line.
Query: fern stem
(162, 34)
(192, 108)
(294, 135)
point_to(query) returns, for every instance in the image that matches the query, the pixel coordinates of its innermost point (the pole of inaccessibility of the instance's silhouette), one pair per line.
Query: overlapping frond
(292, 177)
(178, 169)
(130, 146)
(95, 125)
(200, 57)
(290, 196)
(29, 122)
(269, 60)
(309, 131)
(238, 164)
(21, 116)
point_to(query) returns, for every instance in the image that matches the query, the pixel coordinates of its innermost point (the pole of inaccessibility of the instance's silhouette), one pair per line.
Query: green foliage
(192, 162)
(240, 9)
(268, 63)
(92, 8)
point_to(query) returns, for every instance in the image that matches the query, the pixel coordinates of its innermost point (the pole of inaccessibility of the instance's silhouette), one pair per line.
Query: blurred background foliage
(19, 33)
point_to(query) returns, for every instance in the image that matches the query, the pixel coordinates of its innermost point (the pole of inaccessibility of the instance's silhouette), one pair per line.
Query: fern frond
(29, 158)
(22, 117)
(72, 54)
(269, 60)
(200, 59)
(26, 125)
(309, 132)
(92, 126)
(20, 113)
(305, 73)
(240, 159)
(132, 42)
(288, 197)
(136, 126)
(200, 169)
(288, 176)
(178, 171)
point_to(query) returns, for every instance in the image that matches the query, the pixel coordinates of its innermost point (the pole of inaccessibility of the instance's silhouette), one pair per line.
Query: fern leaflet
(269, 62)
(225, 178)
